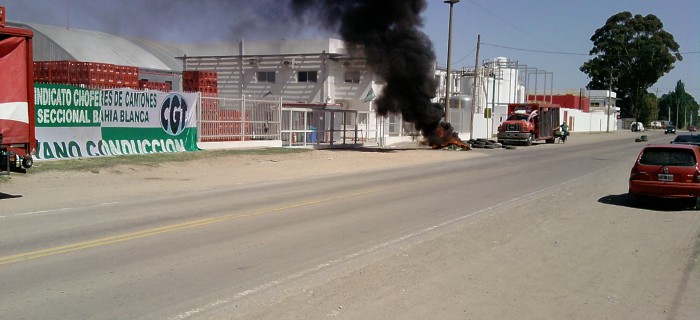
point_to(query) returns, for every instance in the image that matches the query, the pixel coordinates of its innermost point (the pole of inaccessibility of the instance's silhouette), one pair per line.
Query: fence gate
(309, 126)
(233, 119)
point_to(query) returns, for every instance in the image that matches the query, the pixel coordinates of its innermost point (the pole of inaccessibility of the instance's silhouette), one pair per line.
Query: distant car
(670, 129)
(637, 127)
(693, 139)
(666, 171)
(692, 128)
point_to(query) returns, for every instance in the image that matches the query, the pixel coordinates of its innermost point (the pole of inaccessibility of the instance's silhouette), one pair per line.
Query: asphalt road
(187, 256)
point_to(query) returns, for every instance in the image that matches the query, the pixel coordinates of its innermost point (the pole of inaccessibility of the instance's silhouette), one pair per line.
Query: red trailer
(17, 140)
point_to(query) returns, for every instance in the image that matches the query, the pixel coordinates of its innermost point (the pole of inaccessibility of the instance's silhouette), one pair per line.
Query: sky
(550, 35)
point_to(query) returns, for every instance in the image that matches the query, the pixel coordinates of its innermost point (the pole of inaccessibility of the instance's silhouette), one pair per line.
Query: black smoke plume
(387, 32)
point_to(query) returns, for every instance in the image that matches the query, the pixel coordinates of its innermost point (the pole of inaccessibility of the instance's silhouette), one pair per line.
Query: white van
(637, 127)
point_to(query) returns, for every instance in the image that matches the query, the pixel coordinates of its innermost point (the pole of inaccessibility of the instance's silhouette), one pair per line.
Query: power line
(539, 51)
(510, 24)
(558, 52)
(468, 54)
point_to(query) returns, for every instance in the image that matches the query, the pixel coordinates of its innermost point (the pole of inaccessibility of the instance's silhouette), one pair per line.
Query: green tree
(648, 108)
(631, 54)
(680, 105)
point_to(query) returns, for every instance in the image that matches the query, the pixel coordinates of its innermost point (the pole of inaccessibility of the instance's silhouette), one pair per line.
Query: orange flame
(448, 138)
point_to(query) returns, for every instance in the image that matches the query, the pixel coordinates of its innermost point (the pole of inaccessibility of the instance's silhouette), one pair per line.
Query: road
(538, 232)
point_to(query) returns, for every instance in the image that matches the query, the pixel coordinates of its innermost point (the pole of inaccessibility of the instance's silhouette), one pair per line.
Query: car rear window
(694, 139)
(668, 157)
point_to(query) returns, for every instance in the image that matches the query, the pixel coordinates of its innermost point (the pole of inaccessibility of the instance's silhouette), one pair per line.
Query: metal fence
(238, 119)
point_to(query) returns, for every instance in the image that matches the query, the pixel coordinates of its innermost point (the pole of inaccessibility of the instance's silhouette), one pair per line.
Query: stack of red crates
(94, 75)
(126, 76)
(152, 85)
(206, 82)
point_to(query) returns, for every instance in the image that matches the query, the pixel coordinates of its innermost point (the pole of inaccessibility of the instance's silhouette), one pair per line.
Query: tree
(631, 54)
(648, 108)
(681, 106)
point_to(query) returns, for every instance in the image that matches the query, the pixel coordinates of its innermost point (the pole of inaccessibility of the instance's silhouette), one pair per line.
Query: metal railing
(238, 119)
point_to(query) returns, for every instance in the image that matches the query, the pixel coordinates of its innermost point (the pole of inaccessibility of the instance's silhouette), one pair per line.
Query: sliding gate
(307, 126)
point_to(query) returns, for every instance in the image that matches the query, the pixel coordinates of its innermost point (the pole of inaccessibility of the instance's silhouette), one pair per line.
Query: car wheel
(634, 199)
(694, 203)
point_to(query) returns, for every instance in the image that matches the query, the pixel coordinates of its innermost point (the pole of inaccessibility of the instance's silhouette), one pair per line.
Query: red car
(666, 171)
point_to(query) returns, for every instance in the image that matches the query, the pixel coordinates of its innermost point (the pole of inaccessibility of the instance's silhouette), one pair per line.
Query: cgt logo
(173, 113)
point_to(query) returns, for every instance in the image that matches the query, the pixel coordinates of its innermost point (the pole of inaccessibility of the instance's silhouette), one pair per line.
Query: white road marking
(52, 211)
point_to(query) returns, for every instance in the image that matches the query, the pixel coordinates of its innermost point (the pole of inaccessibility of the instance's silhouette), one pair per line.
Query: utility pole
(609, 99)
(448, 79)
(67, 14)
(677, 103)
(476, 78)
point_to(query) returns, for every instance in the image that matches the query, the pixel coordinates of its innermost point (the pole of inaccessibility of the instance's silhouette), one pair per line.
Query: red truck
(529, 122)
(17, 135)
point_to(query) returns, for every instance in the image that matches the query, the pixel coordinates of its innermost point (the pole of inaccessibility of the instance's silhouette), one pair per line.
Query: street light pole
(448, 80)
(609, 100)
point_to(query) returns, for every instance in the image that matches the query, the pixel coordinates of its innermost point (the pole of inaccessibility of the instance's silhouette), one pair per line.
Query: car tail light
(696, 176)
(634, 173)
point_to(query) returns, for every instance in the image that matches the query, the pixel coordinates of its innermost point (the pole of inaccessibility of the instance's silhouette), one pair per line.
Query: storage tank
(460, 110)
(461, 101)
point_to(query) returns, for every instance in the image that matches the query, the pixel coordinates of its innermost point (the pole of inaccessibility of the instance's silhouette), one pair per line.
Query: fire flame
(444, 136)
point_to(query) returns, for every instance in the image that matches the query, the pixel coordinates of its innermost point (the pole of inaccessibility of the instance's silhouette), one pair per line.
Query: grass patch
(98, 163)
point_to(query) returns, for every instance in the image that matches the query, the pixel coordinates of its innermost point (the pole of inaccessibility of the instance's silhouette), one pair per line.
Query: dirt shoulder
(54, 189)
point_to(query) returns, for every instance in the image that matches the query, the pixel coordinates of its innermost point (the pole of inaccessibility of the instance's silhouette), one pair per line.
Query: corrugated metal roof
(60, 43)
(94, 46)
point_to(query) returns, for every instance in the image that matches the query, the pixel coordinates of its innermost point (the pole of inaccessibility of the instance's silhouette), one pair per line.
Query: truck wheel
(27, 162)
(529, 140)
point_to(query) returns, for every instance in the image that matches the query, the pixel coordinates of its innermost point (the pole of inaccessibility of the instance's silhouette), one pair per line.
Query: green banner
(73, 122)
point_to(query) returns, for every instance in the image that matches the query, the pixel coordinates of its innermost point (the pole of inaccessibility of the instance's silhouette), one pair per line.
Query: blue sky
(559, 26)
(551, 35)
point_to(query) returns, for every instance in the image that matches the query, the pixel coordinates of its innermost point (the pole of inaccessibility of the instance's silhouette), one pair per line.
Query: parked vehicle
(17, 135)
(637, 127)
(687, 139)
(670, 129)
(666, 171)
(692, 128)
(529, 122)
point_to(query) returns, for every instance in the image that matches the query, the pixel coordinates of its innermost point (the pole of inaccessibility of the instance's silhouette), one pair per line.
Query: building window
(352, 76)
(266, 76)
(307, 76)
